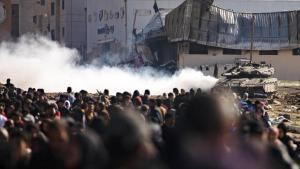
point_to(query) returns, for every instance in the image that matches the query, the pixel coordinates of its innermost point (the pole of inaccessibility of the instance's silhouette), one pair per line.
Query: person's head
(203, 115)
(90, 107)
(57, 133)
(171, 96)
(86, 150)
(17, 117)
(126, 100)
(138, 101)
(258, 104)
(144, 109)
(98, 125)
(128, 140)
(259, 112)
(50, 111)
(41, 97)
(78, 96)
(152, 103)
(252, 130)
(175, 91)
(147, 92)
(113, 100)
(158, 102)
(136, 93)
(199, 91)
(101, 106)
(245, 96)
(31, 130)
(9, 124)
(105, 115)
(283, 129)
(182, 91)
(60, 103)
(83, 93)
(106, 92)
(8, 81)
(192, 92)
(19, 143)
(40, 91)
(69, 90)
(19, 91)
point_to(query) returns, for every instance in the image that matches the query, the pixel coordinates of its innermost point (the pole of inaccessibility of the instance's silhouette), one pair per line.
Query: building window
(43, 2)
(198, 49)
(34, 19)
(296, 51)
(232, 52)
(52, 8)
(53, 34)
(63, 31)
(62, 4)
(268, 52)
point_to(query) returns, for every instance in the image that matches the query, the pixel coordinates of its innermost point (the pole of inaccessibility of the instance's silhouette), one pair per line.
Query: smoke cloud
(37, 62)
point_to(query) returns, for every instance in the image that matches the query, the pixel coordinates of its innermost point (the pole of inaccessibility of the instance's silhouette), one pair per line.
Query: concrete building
(111, 23)
(61, 20)
(200, 35)
(20, 17)
(5, 19)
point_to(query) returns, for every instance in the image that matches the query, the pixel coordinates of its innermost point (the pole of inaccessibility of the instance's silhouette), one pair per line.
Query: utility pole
(252, 34)
(126, 24)
(71, 23)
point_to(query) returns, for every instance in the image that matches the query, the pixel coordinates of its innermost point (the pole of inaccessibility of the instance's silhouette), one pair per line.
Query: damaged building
(199, 34)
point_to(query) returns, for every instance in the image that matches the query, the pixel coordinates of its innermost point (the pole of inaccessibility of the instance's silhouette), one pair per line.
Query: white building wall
(285, 63)
(112, 14)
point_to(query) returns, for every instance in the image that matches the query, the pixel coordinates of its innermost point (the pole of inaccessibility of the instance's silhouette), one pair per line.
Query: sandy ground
(287, 102)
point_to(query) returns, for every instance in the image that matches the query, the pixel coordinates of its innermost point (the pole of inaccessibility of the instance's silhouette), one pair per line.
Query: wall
(73, 21)
(29, 9)
(106, 21)
(286, 65)
(5, 23)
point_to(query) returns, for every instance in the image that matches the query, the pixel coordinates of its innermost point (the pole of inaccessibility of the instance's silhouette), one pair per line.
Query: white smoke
(38, 62)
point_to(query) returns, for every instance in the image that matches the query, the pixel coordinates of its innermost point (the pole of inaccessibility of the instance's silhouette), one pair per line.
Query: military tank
(255, 79)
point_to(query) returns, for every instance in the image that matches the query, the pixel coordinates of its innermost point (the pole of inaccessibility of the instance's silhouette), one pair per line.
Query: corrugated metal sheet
(199, 22)
(155, 27)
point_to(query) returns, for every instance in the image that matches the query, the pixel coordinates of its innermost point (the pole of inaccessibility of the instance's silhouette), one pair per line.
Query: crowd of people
(178, 130)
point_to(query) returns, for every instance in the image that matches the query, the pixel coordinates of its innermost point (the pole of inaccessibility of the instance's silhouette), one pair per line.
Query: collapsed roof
(155, 27)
